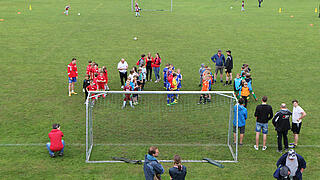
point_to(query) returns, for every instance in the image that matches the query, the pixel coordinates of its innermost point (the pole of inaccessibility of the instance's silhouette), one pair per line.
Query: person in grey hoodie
(152, 167)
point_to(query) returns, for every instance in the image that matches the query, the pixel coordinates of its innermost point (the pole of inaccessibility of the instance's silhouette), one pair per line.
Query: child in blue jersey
(179, 80)
(165, 74)
(248, 79)
(237, 85)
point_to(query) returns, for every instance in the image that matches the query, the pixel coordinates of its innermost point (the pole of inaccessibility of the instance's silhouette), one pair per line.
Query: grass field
(36, 46)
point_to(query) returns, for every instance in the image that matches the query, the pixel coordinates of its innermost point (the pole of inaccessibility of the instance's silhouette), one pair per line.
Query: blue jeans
(156, 72)
(263, 127)
(51, 152)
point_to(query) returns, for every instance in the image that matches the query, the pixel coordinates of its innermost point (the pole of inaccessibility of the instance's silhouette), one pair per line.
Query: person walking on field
(297, 115)
(263, 114)
(282, 125)
(123, 67)
(219, 60)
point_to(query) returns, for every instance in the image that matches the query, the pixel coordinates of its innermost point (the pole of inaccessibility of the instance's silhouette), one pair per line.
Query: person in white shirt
(297, 115)
(122, 67)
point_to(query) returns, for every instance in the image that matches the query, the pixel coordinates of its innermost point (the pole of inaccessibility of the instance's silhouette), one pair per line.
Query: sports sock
(130, 102)
(124, 103)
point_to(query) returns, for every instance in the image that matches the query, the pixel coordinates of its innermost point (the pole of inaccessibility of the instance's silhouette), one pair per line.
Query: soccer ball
(231, 7)
(78, 14)
(135, 38)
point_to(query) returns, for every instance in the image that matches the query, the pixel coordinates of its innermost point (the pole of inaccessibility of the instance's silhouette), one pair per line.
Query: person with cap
(282, 125)
(219, 60)
(295, 163)
(201, 70)
(282, 173)
(228, 68)
(56, 143)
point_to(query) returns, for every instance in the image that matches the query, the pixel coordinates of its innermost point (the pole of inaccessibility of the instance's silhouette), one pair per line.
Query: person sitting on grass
(56, 143)
(152, 167)
(241, 113)
(178, 171)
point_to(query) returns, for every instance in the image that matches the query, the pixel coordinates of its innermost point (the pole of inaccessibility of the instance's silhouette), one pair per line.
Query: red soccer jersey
(106, 76)
(72, 70)
(95, 80)
(92, 88)
(127, 88)
(55, 136)
(157, 62)
(101, 80)
(88, 69)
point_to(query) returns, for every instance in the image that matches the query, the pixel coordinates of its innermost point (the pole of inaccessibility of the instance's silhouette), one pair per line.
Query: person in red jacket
(156, 67)
(56, 143)
(73, 75)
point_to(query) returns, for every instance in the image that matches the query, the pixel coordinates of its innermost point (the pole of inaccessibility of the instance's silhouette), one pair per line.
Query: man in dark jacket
(282, 125)
(295, 164)
(56, 143)
(219, 60)
(228, 68)
(152, 168)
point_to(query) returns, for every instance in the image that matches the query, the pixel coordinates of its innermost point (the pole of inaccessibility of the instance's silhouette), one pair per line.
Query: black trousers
(86, 95)
(149, 72)
(123, 76)
(283, 134)
(245, 98)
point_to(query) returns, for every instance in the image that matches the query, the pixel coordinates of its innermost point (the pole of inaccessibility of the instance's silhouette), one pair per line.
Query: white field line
(185, 145)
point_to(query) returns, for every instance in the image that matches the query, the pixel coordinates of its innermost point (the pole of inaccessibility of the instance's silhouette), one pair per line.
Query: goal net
(153, 5)
(192, 130)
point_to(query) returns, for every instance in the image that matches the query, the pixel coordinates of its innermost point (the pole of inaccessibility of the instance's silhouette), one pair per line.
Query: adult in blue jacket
(295, 163)
(219, 60)
(241, 112)
(152, 167)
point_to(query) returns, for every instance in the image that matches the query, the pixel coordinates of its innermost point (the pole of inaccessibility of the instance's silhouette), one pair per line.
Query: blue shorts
(71, 80)
(263, 127)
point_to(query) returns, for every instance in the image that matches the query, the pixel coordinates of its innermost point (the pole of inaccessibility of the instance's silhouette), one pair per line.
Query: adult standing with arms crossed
(297, 115)
(219, 60)
(263, 114)
(123, 67)
(282, 125)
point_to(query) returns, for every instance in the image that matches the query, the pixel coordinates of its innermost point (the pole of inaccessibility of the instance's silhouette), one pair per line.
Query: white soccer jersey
(296, 114)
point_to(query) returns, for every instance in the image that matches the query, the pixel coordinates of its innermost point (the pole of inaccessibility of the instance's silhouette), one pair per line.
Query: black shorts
(228, 71)
(296, 128)
(242, 129)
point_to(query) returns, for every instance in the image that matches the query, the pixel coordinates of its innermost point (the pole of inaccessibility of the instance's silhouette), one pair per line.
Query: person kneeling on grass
(56, 143)
(242, 114)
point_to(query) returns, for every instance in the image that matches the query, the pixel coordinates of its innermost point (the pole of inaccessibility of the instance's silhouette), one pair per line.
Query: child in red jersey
(127, 97)
(92, 87)
(89, 67)
(94, 70)
(72, 75)
(105, 73)
(66, 11)
(101, 82)
(242, 6)
(137, 9)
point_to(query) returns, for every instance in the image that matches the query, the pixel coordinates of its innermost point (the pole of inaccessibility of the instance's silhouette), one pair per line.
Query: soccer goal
(192, 130)
(153, 5)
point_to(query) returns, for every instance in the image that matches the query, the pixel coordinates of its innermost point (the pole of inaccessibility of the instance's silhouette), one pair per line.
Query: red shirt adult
(157, 62)
(55, 136)
(72, 70)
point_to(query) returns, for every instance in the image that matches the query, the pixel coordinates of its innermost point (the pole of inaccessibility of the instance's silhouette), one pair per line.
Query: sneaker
(123, 107)
(256, 99)
(61, 154)
(168, 104)
(150, 80)
(132, 107)
(121, 87)
(199, 103)
(264, 148)
(256, 147)
(69, 93)
(279, 151)
(240, 144)
(52, 156)
(225, 84)
(292, 145)
(221, 81)
(173, 103)
(74, 93)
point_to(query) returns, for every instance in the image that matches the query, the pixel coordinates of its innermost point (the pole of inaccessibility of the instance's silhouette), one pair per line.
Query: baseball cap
(219, 50)
(291, 154)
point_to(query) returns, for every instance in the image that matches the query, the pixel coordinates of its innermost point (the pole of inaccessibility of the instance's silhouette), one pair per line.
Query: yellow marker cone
(315, 10)
(30, 8)
(280, 10)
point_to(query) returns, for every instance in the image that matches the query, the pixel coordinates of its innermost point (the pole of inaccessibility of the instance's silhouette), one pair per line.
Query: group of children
(243, 84)
(206, 81)
(96, 79)
(172, 82)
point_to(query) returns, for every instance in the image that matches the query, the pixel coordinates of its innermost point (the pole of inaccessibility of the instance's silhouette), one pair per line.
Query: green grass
(36, 46)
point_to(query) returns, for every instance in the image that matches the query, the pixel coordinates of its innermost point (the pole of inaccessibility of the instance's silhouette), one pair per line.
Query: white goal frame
(133, 4)
(228, 94)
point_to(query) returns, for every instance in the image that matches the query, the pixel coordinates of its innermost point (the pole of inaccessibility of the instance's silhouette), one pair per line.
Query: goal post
(192, 130)
(153, 5)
